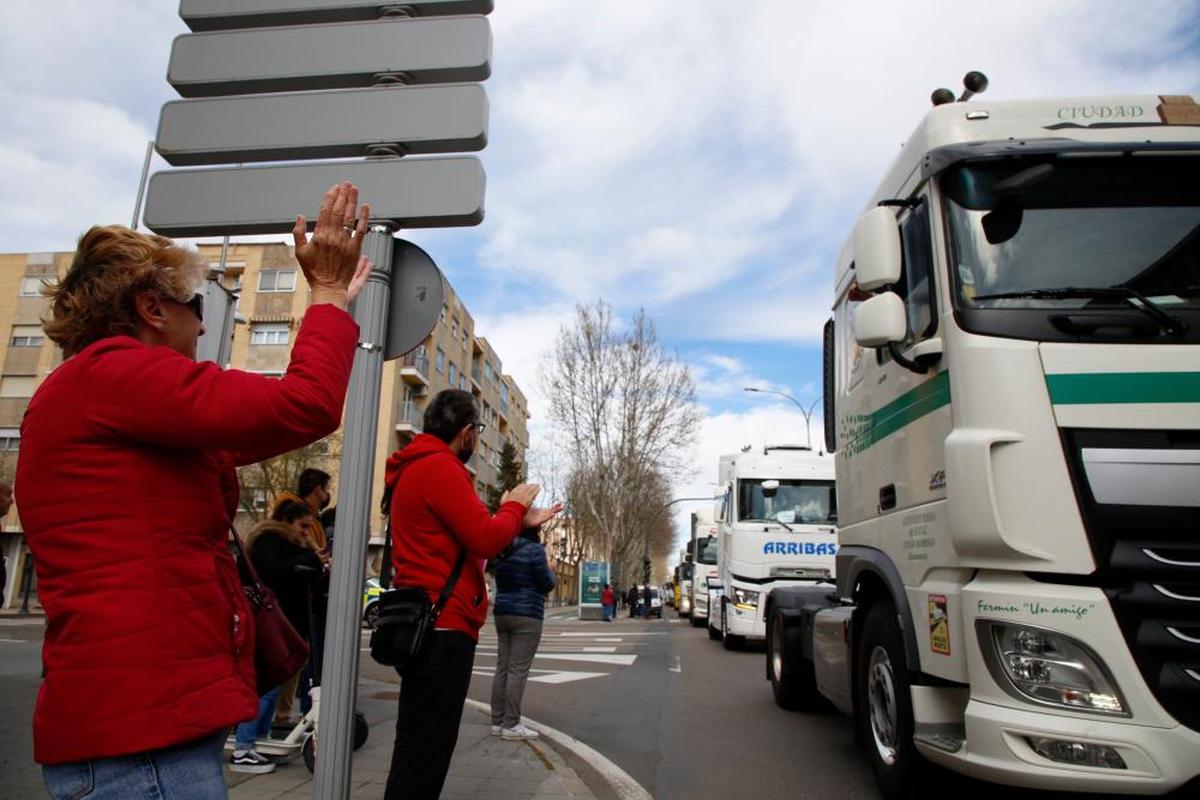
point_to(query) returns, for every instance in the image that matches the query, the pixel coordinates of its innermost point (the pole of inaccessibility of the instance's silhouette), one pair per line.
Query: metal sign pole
(137, 206)
(339, 673)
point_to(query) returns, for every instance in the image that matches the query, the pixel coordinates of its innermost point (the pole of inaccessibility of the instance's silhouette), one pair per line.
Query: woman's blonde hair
(112, 266)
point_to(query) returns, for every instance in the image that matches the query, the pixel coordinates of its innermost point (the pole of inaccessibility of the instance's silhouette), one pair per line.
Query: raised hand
(331, 260)
(524, 494)
(540, 516)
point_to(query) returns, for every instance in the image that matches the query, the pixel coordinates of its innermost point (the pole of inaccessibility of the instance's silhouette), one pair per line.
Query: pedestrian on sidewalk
(437, 522)
(523, 579)
(646, 601)
(283, 555)
(632, 599)
(127, 485)
(609, 602)
(5, 505)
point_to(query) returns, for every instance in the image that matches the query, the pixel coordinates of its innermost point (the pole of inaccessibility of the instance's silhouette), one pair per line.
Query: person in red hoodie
(127, 485)
(436, 518)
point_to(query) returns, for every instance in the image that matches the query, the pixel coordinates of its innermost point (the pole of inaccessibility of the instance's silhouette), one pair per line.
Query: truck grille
(1148, 565)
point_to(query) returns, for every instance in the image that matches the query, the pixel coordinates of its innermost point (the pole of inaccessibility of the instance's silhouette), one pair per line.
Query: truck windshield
(706, 550)
(1056, 232)
(795, 502)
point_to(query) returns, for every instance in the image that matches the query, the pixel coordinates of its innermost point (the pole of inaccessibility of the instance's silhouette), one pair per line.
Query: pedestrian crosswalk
(571, 651)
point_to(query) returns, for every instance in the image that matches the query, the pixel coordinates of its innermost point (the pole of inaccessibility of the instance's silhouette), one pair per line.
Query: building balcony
(410, 419)
(414, 368)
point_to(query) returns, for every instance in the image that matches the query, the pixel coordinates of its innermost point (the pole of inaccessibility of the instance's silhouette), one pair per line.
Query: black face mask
(468, 449)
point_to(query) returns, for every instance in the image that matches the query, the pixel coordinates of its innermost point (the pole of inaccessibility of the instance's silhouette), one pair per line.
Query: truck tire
(883, 711)
(730, 641)
(793, 681)
(696, 621)
(713, 632)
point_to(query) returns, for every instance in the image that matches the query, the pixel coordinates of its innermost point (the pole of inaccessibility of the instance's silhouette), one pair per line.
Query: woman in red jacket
(127, 485)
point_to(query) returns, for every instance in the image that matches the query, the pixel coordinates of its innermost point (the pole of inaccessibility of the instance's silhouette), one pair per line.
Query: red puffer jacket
(435, 515)
(127, 487)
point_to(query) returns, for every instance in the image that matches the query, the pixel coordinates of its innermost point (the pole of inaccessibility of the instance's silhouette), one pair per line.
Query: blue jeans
(188, 771)
(607, 611)
(260, 726)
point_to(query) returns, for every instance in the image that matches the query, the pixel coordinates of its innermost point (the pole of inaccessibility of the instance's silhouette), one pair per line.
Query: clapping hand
(540, 516)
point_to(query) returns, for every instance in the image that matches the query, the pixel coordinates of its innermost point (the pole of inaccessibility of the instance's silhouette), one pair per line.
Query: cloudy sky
(701, 159)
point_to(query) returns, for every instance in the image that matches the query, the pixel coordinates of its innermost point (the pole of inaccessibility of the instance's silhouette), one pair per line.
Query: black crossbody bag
(407, 618)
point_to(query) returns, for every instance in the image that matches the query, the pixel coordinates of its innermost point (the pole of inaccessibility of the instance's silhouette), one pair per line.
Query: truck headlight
(744, 598)
(1049, 667)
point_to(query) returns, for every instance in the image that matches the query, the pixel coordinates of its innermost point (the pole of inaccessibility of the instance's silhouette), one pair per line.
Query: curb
(624, 786)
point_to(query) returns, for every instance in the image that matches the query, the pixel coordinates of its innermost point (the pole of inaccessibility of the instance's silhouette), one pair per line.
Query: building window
(275, 333)
(466, 339)
(462, 382)
(453, 328)
(442, 318)
(27, 336)
(16, 385)
(487, 370)
(440, 363)
(32, 287)
(453, 373)
(10, 440)
(277, 280)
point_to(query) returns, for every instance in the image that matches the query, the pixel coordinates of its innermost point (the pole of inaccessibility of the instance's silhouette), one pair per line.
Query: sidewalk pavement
(484, 766)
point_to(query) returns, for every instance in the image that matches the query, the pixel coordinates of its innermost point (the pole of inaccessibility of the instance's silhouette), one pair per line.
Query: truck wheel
(792, 679)
(713, 632)
(731, 641)
(883, 711)
(696, 621)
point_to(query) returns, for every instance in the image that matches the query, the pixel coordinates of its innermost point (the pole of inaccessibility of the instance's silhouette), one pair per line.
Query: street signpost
(213, 15)
(344, 61)
(297, 58)
(410, 193)
(330, 124)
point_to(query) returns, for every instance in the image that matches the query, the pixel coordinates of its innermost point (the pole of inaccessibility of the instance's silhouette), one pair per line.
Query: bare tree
(626, 412)
(261, 483)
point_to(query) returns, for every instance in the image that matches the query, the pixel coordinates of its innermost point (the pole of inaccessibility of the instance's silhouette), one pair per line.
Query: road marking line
(623, 633)
(624, 786)
(608, 639)
(675, 667)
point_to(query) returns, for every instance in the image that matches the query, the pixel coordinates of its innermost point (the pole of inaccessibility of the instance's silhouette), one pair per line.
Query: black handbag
(406, 620)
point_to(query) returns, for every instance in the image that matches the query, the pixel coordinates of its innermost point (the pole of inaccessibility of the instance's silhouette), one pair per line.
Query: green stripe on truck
(1123, 387)
(871, 428)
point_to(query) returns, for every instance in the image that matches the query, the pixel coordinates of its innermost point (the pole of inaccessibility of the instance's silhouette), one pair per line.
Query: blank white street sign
(341, 55)
(340, 123)
(212, 15)
(410, 193)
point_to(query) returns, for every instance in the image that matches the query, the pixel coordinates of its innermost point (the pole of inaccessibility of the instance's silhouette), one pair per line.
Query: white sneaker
(250, 761)
(518, 731)
(496, 730)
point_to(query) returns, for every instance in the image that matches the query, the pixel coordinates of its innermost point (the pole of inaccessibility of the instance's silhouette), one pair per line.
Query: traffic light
(645, 570)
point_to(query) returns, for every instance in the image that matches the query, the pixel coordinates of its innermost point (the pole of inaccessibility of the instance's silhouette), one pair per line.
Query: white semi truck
(704, 563)
(1012, 385)
(775, 527)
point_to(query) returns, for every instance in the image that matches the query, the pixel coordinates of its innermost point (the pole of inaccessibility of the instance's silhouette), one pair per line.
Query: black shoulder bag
(407, 618)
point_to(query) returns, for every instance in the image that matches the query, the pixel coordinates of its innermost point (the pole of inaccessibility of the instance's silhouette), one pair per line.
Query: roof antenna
(974, 82)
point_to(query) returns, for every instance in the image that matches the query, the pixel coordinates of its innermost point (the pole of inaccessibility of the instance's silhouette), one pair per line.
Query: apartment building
(272, 300)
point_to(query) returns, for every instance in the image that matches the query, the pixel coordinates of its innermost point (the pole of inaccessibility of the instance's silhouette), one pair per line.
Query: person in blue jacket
(523, 579)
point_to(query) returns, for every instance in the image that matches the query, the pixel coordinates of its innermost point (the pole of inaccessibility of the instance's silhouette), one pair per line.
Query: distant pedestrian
(608, 602)
(438, 521)
(127, 487)
(523, 578)
(631, 598)
(283, 556)
(646, 601)
(5, 505)
(313, 489)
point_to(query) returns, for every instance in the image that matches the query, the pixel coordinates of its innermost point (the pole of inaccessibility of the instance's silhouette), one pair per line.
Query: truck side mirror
(877, 255)
(880, 321)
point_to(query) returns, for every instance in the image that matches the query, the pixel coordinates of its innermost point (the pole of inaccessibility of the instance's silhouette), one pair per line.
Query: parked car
(656, 606)
(371, 592)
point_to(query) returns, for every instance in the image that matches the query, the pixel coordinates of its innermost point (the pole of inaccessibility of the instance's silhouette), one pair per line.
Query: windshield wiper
(771, 522)
(1171, 325)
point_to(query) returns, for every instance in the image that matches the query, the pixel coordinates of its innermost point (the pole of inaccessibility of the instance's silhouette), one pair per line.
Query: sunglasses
(196, 304)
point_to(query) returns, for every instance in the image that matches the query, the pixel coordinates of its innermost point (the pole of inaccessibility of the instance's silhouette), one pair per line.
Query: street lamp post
(806, 412)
